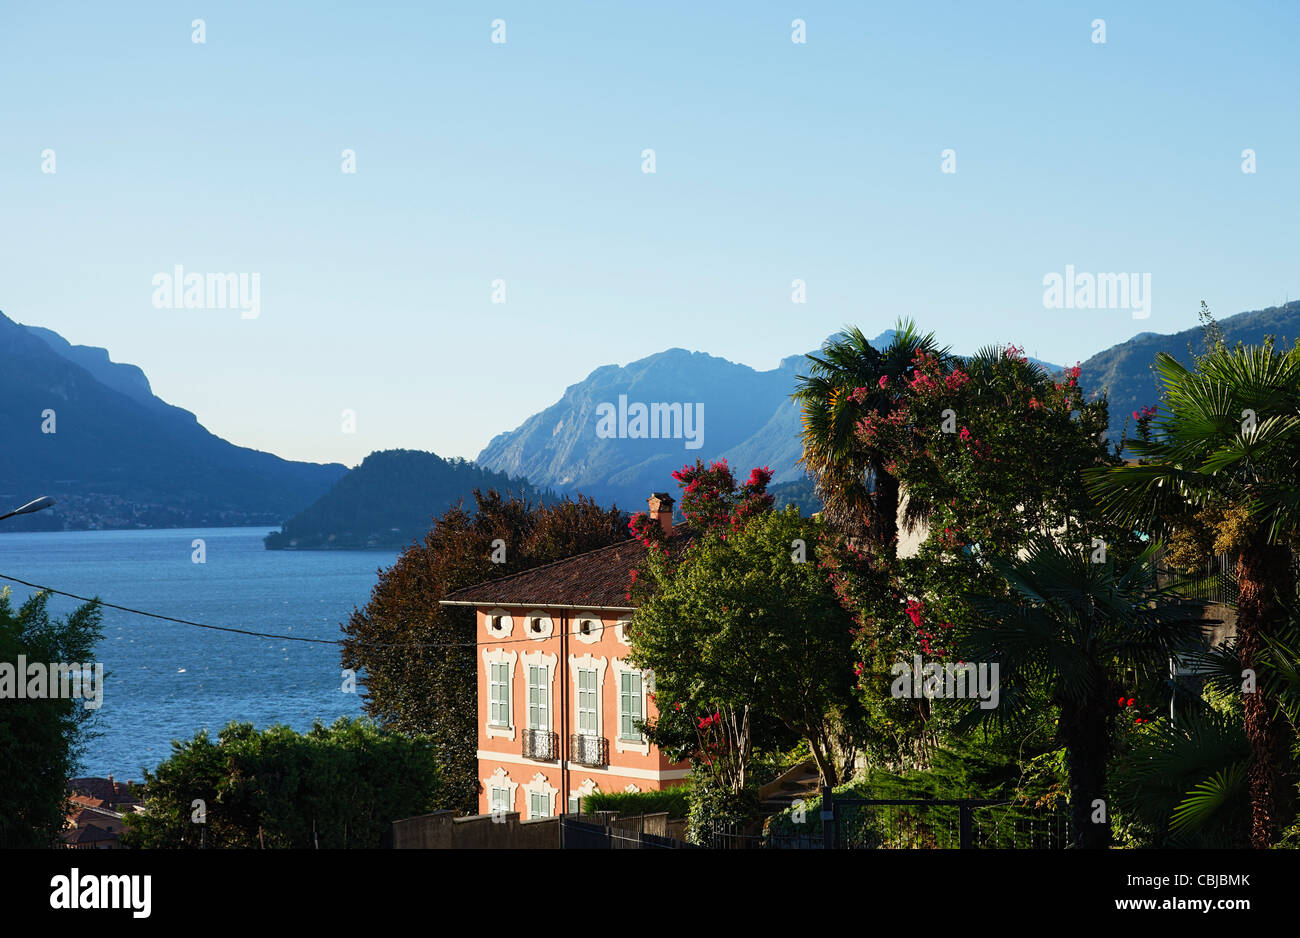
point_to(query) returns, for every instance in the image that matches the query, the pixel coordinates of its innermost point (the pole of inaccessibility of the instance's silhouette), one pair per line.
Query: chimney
(661, 510)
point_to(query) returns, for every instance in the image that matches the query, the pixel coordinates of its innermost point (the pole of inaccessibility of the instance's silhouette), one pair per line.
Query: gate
(915, 823)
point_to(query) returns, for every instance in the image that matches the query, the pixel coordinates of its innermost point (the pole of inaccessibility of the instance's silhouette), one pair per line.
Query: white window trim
(548, 626)
(500, 781)
(597, 629)
(588, 663)
(620, 744)
(620, 630)
(500, 656)
(507, 623)
(631, 788)
(538, 785)
(588, 787)
(541, 659)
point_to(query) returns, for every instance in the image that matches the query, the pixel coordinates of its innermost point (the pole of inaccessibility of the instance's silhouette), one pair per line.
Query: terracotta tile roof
(103, 790)
(597, 579)
(90, 834)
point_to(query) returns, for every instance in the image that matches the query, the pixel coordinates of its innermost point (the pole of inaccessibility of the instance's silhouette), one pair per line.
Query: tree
(1061, 639)
(989, 452)
(42, 739)
(847, 381)
(333, 787)
(1225, 450)
(745, 624)
(416, 658)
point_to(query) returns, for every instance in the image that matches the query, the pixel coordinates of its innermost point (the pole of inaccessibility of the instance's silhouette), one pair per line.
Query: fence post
(964, 814)
(828, 818)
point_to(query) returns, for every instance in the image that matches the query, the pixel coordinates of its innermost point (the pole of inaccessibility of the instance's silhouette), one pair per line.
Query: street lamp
(36, 505)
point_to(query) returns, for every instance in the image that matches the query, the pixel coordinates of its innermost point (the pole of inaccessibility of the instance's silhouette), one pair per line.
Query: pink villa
(558, 704)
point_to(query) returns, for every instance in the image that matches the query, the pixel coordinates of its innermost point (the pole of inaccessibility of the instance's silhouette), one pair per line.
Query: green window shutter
(629, 705)
(499, 706)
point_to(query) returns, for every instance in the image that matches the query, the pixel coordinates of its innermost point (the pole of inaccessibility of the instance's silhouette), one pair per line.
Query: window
(498, 623)
(538, 626)
(499, 678)
(588, 701)
(501, 799)
(499, 694)
(539, 804)
(540, 797)
(539, 693)
(629, 705)
(575, 803)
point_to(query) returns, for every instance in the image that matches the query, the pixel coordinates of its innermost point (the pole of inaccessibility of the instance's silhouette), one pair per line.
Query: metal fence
(905, 824)
(916, 824)
(584, 835)
(1216, 582)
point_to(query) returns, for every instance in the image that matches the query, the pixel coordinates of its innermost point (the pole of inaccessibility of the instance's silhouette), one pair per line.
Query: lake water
(165, 681)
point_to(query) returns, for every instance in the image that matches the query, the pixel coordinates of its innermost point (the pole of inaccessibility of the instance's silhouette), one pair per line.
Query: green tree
(333, 787)
(42, 740)
(1225, 447)
(1063, 637)
(989, 452)
(847, 381)
(747, 623)
(416, 658)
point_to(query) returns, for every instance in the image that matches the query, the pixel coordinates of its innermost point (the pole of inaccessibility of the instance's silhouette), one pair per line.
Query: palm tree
(1227, 439)
(859, 497)
(1060, 638)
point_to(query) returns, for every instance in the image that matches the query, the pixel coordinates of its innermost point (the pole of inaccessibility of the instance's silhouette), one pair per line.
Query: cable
(287, 638)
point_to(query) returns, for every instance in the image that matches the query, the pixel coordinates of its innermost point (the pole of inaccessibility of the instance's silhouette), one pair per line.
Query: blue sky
(522, 162)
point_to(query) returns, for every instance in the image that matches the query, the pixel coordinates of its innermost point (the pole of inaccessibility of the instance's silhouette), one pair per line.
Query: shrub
(673, 800)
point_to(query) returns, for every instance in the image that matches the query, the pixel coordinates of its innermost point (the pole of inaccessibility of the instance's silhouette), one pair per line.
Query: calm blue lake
(166, 681)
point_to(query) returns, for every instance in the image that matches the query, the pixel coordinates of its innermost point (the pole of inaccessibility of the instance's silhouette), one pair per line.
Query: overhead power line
(253, 634)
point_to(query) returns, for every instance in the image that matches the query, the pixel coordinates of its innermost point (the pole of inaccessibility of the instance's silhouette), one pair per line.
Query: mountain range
(750, 419)
(91, 433)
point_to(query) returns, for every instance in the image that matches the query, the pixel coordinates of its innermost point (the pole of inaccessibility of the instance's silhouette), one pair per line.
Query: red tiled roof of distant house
(104, 790)
(597, 579)
(90, 834)
(88, 825)
(97, 817)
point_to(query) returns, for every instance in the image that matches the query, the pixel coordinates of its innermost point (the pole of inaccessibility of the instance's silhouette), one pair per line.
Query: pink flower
(884, 380)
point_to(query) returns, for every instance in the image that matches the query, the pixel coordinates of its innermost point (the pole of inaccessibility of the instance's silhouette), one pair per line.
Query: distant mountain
(751, 421)
(126, 379)
(745, 413)
(1124, 372)
(390, 500)
(118, 456)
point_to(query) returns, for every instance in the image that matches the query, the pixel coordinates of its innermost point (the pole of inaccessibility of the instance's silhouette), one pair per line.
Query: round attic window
(499, 624)
(538, 625)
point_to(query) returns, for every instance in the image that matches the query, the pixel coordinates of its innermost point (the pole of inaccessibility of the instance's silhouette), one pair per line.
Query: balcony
(542, 745)
(589, 750)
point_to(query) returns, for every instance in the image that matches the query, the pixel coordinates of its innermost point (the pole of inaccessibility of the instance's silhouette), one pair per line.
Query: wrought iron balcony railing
(542, 745)
(589, 750)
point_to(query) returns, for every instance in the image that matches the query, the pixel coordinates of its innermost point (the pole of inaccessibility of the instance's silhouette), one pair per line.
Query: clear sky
(522, 161)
